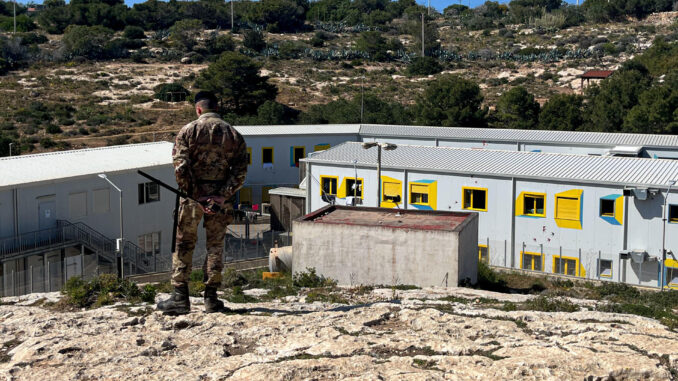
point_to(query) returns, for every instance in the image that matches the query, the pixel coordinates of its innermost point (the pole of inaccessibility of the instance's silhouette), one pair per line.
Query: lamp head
(388, 146)
(369, 145)
(102, 175)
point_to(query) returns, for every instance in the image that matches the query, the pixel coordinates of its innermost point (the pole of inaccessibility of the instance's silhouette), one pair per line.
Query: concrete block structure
(373, 246)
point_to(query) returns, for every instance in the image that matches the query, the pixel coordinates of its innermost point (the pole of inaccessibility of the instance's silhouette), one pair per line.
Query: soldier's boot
(178, 303)
(212, 302)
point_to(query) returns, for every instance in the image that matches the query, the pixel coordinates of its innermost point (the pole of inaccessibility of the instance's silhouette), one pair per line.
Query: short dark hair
(206, 100)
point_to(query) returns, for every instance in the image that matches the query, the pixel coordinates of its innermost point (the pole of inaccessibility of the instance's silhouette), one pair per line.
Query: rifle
(212, 207)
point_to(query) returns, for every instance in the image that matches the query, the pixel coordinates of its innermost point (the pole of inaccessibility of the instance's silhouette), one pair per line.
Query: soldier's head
(206, 101)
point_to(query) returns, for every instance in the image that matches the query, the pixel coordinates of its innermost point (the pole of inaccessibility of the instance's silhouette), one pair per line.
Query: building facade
(585, 216)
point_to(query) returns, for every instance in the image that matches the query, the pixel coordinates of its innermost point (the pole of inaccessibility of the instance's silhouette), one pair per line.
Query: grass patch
(325, 295)
(545, 304)
(425, 364)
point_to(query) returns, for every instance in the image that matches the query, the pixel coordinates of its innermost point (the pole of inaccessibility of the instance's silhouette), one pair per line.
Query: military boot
(178, 303)
(212, 302)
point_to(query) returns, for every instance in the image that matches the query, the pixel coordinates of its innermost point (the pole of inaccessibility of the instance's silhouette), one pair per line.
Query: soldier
(210, 163)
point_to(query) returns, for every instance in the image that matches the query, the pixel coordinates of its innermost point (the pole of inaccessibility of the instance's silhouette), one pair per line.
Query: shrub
(105, 289)
(184, 33)
(47, 143)
(254, 39)
(310, 279)
(134, 32)
(542, 303)
(424, 66)
(53, 129)
(85, 41)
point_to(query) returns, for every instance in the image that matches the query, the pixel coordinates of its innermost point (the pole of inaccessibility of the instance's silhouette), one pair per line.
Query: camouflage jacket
(210, 158)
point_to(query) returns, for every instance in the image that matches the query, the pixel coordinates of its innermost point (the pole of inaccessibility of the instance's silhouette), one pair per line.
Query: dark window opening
(267, 156)
(607, 207)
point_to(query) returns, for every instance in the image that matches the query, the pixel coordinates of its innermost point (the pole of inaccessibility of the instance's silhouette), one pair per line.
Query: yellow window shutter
(567, 208)
(418, 188)
(391, 189)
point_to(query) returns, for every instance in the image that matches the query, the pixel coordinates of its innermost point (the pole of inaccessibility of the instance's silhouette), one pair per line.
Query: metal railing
(67, 233)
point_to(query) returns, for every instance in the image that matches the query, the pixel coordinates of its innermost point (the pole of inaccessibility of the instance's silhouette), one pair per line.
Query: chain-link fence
(604, 265)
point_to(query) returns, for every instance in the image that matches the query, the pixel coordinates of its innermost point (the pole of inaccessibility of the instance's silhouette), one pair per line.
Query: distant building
(595, 75)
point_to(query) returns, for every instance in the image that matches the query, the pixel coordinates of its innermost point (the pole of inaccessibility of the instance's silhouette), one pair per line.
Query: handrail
(66, 232)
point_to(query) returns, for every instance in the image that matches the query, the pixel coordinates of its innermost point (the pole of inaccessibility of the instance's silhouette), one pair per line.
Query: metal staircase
(67, 234)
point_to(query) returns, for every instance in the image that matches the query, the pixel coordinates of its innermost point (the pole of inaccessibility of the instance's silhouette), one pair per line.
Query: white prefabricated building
(587, 216)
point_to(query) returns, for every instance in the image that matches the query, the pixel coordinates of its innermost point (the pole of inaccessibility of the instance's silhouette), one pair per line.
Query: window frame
(428, 194)
(463, 198)
(557, 258)
(148, 237)
(143, 196)
(534, 195)
(249, 190)
(321, 147)
(669, 219)
(556, 209)
(600, 273)
(294, 162)
(600, 207)
(480, 253)
(360, 181)
(533, 254)
(263, 149)
(336, 185)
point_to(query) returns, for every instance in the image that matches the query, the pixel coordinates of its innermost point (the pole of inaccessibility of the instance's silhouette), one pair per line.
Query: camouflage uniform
(210, 159)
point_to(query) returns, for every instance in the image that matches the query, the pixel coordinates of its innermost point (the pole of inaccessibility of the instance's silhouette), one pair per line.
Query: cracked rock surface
(416, 337)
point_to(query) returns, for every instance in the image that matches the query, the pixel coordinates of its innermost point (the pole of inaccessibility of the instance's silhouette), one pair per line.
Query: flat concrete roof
(388, 218)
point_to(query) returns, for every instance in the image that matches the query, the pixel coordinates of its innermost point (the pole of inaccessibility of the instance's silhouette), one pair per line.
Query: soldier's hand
(208, 204)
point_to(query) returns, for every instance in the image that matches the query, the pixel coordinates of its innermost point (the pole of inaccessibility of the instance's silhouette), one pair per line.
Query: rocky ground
(429, 334)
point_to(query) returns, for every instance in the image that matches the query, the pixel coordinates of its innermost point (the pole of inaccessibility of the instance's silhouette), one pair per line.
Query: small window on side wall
(534, 205)
(673, 213)
(483, 254)
(607, 207)
(605, 268)
(267, 155)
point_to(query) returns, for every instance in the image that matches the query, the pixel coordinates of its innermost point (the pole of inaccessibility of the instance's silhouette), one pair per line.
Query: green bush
(254, 39)
(542, 303)
(103, 290)
(53, 129)
(134, 32)
(424, 66)
(310, 279)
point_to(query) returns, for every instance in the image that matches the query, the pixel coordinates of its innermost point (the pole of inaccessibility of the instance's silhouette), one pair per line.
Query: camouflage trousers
(190, 214)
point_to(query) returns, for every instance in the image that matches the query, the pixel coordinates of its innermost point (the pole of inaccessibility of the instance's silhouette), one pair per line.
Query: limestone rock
(428, 334)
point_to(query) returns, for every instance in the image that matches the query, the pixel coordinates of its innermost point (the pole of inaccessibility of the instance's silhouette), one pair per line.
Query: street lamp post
(122, 239)
(663, 267)
(10, 148)
(386, 147)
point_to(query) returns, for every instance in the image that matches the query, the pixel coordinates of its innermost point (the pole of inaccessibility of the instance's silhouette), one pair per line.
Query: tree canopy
(451, 101)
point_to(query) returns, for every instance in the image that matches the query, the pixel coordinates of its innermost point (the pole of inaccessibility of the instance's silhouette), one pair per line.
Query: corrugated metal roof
(532, 165)
(50, 166)
(300, 129)
(573, 138)
(285, 191)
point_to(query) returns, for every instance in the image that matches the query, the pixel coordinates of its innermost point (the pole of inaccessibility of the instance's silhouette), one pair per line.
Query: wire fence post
(30, 279)
(13, 284)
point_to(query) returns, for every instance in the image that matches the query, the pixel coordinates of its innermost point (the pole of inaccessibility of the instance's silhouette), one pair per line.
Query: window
(568, 209)
(672, 277)
(267, 155)
(149, 192)
(673, 213)
(391, 191)
(150, 243)
(265, 196)
(605, 268)
(418, 194)
(353, 188)
(297, 154)
(474, 198)
(328, 185)
(249, 155)
(607, 207)
(321, 147)
(565, 265)
(530, 261)
(245, 196)
(534, 205)
(101, 201)
(483, 254)
(77, 205)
